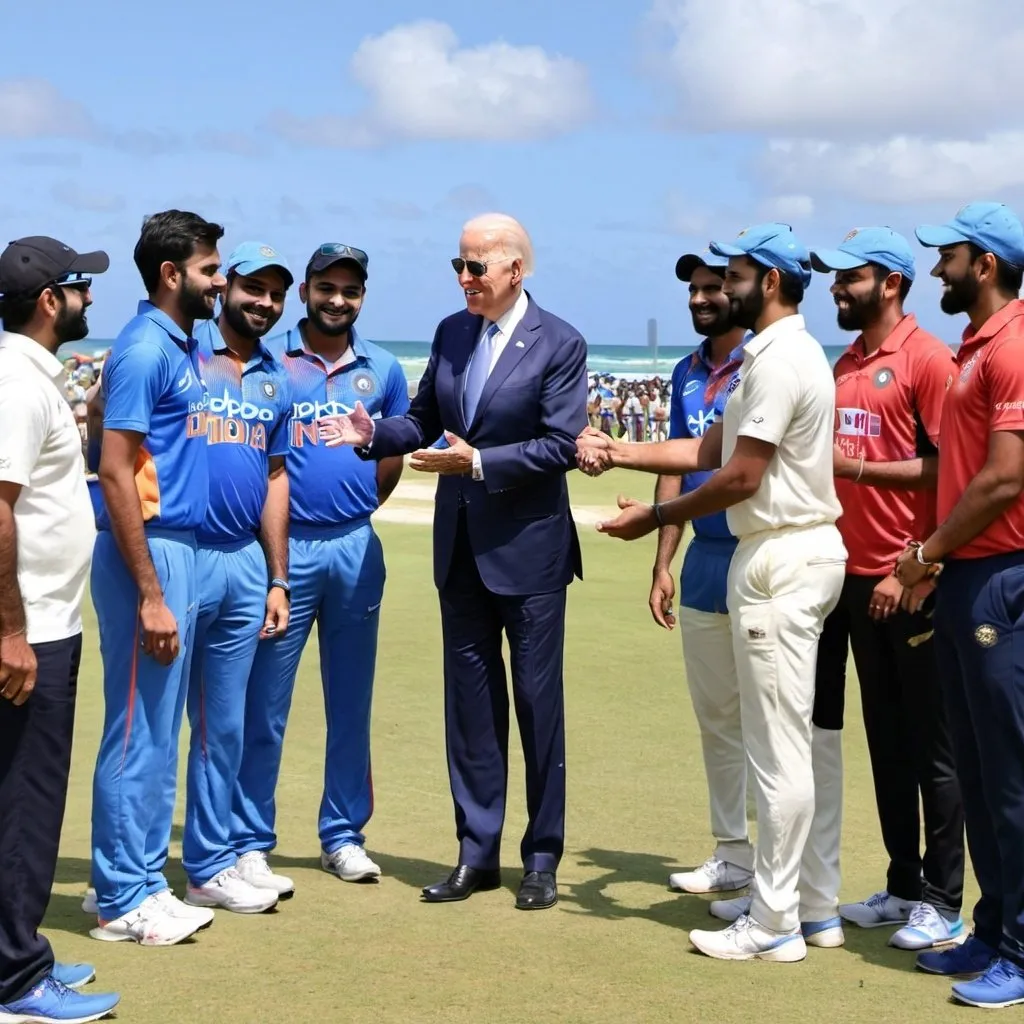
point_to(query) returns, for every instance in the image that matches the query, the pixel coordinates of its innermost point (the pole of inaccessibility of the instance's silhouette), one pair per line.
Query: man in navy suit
(506, 387)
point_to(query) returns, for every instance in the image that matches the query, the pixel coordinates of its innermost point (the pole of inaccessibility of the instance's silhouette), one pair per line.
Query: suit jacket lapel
(524, 337)
(460, 360)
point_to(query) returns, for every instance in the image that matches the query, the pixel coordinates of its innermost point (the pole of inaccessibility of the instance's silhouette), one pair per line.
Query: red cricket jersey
(987, 395)
(887, 404)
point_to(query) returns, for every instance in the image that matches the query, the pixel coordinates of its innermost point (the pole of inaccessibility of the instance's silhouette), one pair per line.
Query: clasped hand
(594, 452)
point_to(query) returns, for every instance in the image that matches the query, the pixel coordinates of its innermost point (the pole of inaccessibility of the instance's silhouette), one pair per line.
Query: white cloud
(787, 208)
(844, 68)
(904, 169)
(422, 85)
(32, 108)
(80, 198)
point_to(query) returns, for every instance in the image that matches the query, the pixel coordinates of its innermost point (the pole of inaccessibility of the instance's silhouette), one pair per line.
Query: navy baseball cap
(861, 246)
(992, 227)
(252, 257)
(771, 245)
(334, 252)
(28, 265)
(686, 265)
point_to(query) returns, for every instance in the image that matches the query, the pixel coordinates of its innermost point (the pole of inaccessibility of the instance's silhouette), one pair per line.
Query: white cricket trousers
(714, 691)
(782, 585)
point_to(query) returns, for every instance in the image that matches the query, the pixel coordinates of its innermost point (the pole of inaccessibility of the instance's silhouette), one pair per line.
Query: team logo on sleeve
(363, 384)
(268, 389)
(883, 377)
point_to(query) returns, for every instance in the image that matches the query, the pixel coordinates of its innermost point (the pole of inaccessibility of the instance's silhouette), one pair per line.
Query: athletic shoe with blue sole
(969, 960)
(74, 976)
(1001, 985)
(50, 1002)
(824, 934)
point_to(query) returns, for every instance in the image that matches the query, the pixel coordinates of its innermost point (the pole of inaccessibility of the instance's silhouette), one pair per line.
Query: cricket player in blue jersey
(336, 565)
(701, 384)
(241, 569)
(153, 471)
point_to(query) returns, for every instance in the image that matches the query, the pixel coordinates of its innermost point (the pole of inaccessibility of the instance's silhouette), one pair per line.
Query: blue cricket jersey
(699, 394)
(331, 485)
(152, 385)
(246, 422)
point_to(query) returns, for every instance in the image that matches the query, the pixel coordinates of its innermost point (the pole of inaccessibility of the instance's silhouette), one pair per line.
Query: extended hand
(159, 631)
(355, 428)
(275, 622)
(594, 452)
(885, 598)
(636, 520)
(455, 460)
(17, 668)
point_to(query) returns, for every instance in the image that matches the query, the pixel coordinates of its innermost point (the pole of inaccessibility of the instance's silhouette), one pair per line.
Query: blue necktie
(479, 371)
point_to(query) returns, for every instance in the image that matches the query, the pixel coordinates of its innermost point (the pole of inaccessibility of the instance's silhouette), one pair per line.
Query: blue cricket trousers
(136, 768)
(232, 581)
(337, 580)
(979, 638)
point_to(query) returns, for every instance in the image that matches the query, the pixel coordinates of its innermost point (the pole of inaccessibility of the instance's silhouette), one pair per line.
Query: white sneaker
(745, 939)
(827, 934)
(149, 924)
(730, 910)
(255, 870)
(180, 909)
(170, 903)
(230, 891)
(927, 928)
(713, 875)
(877, 911)
(89, 904)
(350, 863)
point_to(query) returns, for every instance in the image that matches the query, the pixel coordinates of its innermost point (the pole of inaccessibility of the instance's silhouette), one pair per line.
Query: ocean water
(629, 361)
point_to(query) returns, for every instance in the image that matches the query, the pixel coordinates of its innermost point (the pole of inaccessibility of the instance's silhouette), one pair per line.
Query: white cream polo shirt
(41, 449)
(787, 397)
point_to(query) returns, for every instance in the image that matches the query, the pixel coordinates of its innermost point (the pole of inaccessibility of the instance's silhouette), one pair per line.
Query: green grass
(614, 950)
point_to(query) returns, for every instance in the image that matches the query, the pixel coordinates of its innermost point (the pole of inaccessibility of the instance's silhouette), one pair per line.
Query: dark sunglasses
(337, 249)
(475, 267)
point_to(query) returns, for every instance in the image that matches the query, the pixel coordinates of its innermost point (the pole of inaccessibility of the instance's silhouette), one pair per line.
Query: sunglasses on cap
(475, 267)
(337, 249)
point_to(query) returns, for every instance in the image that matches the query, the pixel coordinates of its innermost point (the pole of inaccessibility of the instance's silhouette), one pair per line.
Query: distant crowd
(634, 410)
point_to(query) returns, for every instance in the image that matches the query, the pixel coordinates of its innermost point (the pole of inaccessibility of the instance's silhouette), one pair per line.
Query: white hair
(505, 233)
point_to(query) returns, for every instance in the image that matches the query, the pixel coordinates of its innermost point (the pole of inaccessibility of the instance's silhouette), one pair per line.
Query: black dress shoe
(537, 891)
(461, 884)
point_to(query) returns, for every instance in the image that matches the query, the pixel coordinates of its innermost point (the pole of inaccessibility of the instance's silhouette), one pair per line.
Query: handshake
(595, 452)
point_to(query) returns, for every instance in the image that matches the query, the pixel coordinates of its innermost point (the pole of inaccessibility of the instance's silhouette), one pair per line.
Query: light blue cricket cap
(861, 246)
(252, 257)
(771, 245)
(992, 227)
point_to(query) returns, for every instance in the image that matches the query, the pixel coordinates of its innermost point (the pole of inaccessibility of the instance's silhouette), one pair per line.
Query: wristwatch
(281, 585)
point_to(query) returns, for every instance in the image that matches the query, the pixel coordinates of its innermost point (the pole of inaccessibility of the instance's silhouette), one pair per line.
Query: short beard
(861, 313)
(237, 322)
(746, 312)
(192, 302)
(330, 330)
(723, 324)
(68, 326)
(962, 295)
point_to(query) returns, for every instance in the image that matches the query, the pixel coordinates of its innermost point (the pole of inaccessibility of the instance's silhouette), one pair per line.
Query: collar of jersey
(44, 360)
(993, 325)
(735, 356)
(158, 316)
(896, 340)
(296, 345)
(262, 351)
(759, 342)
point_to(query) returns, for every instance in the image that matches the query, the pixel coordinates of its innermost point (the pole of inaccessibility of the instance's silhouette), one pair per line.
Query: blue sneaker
(969, 960)
(73, 975)
(1001, 985)
(50, 1001)
(824, 934)
(927, 928)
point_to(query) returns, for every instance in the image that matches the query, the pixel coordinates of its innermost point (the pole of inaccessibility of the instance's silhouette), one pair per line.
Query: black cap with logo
(334, 252)
(28, 265)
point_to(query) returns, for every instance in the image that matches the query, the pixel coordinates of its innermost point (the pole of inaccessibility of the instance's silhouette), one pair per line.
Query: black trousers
(35, 759)
(473, 620)
(908, 736)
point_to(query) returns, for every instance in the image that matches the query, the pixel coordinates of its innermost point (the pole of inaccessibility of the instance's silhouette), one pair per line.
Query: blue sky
(621, 138)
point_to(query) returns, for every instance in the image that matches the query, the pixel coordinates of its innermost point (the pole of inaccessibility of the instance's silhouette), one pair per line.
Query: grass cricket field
(615, 948)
